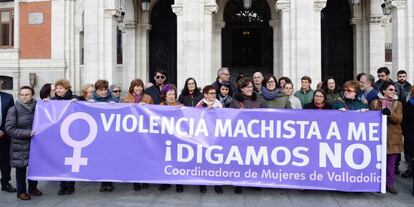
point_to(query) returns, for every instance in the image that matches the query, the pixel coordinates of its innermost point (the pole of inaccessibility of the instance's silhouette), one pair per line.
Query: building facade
(85, 40)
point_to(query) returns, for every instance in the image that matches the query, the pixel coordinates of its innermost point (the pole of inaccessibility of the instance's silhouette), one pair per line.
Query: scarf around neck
(270, 95)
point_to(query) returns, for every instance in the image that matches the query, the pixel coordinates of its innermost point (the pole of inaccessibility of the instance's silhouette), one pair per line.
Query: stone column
(128, 53)
(217, 50)
(194, 40)
(284, 7)
(277, 69)
(208, 48)
(358, 27)
(314, 57)
(142, 51)
(100, 40)
(376, 48)
(178, 10)
(399, 38)
(410, 37)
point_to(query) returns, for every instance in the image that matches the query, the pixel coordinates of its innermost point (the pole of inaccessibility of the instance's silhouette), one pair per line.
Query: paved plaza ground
(87, 194)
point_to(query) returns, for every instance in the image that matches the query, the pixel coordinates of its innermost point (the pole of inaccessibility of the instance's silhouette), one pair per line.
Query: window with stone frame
(6, 27)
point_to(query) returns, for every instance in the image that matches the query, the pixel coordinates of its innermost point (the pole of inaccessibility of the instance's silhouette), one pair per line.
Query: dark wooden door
(337, 41)
(247, 39)
(163, 41)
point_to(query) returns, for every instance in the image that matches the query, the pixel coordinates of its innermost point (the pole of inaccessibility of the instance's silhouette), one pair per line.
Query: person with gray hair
(115, 92)
(223, 74)
(368, 92)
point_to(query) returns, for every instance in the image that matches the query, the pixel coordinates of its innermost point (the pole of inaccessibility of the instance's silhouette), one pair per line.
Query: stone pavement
(87, 195)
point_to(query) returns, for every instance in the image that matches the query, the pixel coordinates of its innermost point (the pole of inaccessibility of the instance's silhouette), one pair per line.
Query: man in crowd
(6, 101)
(305, 93)
(223, 74)
(368, 92)
(257, 81)
(402, 80)
(160, 77)
(384, 75)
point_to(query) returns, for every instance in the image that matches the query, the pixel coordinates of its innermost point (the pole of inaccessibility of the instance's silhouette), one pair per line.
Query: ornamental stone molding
(318, 5)
(177, 9)
(210, 8)
(112, 13)
(356, 21)
(374, 19)
(144, 27)
(386, 19)
(273, 23)
(78, 29)
(398, 3)
(220, 25)
(283, 5)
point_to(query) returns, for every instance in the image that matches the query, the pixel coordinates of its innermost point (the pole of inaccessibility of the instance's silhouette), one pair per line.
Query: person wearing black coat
(318, 101)
(408, 131)
(191, 94)
(19, 123)
(63, 92)
(6, 101)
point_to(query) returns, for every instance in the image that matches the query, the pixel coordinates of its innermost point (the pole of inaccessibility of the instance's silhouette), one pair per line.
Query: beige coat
(394, 131)
(145, 99)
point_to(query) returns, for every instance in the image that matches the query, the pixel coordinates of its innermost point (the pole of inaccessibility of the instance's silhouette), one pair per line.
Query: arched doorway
(337, 41)
(247, 39)
(163, 40)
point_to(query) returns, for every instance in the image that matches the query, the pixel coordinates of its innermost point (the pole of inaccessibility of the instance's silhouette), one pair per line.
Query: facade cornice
(374, 19)
(210, 8)
(283, 5)
(177, 9)
(318, 5)
(398, 3)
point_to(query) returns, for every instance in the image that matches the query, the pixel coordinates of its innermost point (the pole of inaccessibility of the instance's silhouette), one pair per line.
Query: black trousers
(5, 168)
(67, 184)
(21, 181)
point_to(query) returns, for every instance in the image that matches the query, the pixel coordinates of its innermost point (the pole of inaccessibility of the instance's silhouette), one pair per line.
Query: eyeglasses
(116, 91)
(226, 74)
(211, 93)
(391, 89)
(160, 76)
(348, 90)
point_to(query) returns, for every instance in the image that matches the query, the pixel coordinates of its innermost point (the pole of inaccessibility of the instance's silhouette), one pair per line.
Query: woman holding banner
(136, 94)
(210, 101)
(392, 108)
(349, 101)
(19, 123)
(408, 130)
(318, 101)
(63, 92)
(246, 98)
(102, 95)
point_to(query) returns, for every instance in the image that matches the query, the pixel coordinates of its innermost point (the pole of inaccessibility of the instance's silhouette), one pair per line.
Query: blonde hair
(85, 88)
(64, 83)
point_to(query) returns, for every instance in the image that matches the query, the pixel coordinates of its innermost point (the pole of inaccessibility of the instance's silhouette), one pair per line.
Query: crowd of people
(393, 99)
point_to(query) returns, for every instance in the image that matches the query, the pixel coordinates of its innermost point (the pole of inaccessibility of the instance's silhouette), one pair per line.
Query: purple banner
(305, 149)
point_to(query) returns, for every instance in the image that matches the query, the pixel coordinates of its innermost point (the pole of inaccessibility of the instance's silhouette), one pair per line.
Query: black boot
(164, 187)
(238, 190)
(218, 189)
(179, 188)
(137, 186)
(203, 189)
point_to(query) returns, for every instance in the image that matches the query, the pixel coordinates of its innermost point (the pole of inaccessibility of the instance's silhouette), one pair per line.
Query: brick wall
(35, 37)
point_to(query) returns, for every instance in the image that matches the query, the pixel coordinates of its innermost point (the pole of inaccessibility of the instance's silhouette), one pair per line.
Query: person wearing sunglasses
(116, 92)
(390, 106)
(383, 76)
(160, 77)
(349, 101)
